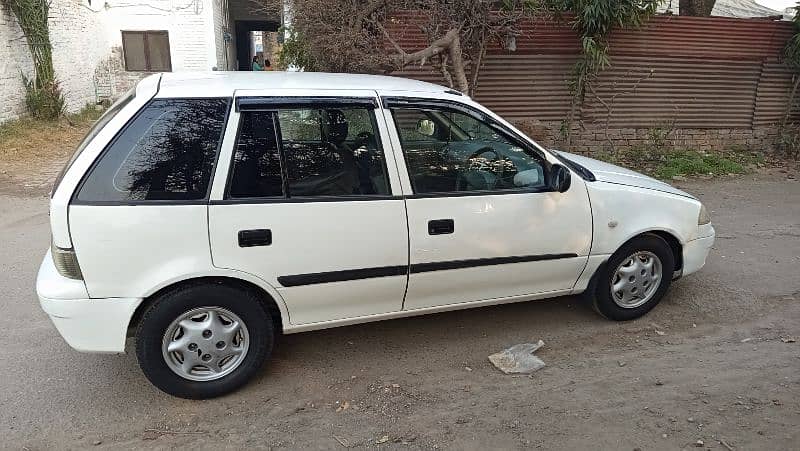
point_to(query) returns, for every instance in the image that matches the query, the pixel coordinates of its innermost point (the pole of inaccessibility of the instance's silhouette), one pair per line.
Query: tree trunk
(700, 8)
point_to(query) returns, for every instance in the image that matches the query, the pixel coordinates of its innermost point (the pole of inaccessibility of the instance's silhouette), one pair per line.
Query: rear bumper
(695, 253)
(88, 325)
(92, 325)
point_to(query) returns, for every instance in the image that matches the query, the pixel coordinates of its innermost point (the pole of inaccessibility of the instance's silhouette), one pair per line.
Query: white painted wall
(87, 43)
(14, 57)
(76, 32)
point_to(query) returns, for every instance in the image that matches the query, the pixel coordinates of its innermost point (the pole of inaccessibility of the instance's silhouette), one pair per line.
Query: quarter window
(166, 152)
(448, 151)
(325, 152)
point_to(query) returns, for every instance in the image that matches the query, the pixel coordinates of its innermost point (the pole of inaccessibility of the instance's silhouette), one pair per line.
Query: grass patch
(666, 164)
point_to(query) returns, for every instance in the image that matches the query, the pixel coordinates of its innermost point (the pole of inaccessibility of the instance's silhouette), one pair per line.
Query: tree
(696, 7)
(365, 36)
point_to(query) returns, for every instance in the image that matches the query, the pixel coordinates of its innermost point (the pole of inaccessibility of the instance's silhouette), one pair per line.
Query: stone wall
(591, 140)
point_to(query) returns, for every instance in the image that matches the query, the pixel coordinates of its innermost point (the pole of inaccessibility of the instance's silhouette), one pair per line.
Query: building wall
(221, 19)
(77, 34)
(14, 57)
(87, 46)
(190, 24)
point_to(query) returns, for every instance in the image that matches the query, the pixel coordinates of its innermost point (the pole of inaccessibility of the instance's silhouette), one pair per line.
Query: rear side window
(110, 113)
(308, 152)
(167, 152)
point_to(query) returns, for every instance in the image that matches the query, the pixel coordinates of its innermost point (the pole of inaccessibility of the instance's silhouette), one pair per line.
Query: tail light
(66, 262)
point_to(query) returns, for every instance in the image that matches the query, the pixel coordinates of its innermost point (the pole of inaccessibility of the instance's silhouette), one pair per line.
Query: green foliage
(789, 140)
(594, 20)
(691, 162)
(657, 137)
(296, 52)
(792, 50)
(43, 99)
(43, 96)
(666, 164)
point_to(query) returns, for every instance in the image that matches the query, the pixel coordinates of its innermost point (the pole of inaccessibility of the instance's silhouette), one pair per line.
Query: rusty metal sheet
(772, 95)
(694, 72)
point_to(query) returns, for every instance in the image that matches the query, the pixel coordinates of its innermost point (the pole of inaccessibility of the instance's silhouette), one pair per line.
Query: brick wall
(593, 140)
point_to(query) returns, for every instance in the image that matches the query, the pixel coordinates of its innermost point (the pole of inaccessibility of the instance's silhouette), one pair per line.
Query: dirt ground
(714, 362)
(33, 152)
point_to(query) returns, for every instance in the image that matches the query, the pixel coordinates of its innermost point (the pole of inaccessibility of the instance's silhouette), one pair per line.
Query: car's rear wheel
(634, 279)
(204, 340)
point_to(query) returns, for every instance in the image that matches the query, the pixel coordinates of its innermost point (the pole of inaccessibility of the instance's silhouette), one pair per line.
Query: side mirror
(426, 127)
(560, 178)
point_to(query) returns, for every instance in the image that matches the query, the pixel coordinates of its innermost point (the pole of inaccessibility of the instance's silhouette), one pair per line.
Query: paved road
(719, 373)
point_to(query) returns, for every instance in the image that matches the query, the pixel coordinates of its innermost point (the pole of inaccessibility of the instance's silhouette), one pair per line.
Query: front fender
(621, 212)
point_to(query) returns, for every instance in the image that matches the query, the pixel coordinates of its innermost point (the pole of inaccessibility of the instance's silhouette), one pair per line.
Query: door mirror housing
(560, 178)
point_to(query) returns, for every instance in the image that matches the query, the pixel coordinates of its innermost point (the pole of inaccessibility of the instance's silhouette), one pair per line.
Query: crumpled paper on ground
(518, 359)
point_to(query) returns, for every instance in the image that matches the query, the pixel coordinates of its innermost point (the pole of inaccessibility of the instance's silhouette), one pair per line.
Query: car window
(102, 121)
(166, 152)
(257, 161)
(326, 152)
(337, 153)
(449, 151)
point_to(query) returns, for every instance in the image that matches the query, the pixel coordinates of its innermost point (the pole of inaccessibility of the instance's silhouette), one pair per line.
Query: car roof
(218, 83)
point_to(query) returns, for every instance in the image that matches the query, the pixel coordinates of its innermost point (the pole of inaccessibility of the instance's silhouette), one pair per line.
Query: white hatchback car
(206, 213)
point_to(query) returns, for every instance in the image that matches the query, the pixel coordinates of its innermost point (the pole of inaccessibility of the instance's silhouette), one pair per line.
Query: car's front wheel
(634, 279)
(203, 340)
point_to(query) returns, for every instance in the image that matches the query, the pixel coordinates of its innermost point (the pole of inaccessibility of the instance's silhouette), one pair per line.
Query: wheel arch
(674, 243)
(268, 296)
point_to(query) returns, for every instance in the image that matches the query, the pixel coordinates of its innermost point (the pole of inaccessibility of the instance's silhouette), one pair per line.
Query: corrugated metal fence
(688, 72)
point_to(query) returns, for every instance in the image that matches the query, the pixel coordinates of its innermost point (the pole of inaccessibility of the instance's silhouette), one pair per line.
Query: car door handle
(255, 237)
(441, 227)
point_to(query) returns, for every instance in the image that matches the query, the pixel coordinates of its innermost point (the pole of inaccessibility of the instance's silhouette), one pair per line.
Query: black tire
(169, 306)
(603, 302)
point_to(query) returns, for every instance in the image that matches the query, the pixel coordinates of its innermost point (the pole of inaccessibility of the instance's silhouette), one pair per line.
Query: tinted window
(332, 152)
(166, 153)
(448, 151)
(256, 162)
(106, 117)
(327, 152)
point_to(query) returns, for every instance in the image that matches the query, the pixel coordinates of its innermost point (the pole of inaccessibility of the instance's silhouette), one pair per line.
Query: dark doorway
(244, 54)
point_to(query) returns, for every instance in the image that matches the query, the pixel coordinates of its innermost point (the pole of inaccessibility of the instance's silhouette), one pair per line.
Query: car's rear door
(482, 223)
(138, 218)
(307, 199)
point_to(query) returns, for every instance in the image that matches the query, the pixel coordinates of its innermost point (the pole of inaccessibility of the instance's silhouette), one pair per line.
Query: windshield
(110, 113)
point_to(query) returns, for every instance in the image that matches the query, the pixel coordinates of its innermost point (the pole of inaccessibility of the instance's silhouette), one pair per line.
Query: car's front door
(308, 206)
(482, 223)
